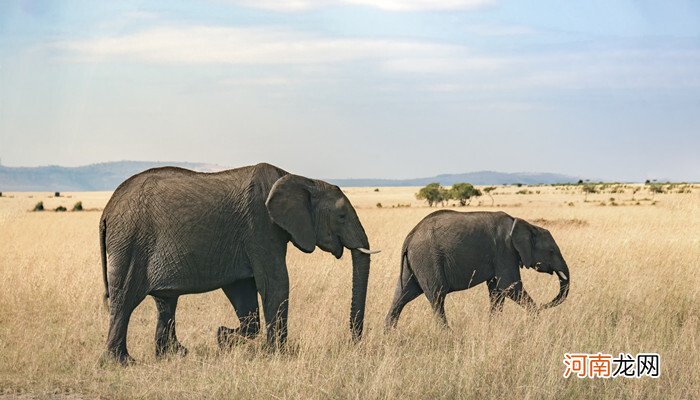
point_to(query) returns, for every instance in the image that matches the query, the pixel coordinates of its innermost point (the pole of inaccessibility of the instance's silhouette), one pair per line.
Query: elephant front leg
(496, 296)
(243, 295)
(272, 282)
(276, 308)
(166, 338)
(518, 294)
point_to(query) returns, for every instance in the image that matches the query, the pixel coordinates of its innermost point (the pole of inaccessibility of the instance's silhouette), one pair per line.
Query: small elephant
(171, 231)
(450, 251)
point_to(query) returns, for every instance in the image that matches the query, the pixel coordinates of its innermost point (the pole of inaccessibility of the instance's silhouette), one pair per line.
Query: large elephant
(170, 231)
(450, 251)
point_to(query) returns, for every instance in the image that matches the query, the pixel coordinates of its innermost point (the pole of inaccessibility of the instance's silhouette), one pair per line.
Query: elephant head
(315, 213)
(538, 250)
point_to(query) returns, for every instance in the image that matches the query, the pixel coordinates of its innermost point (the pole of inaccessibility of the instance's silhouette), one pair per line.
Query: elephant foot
(285, 348)
(227, 337)
(121, 357)
(390, 323)
(172, 348)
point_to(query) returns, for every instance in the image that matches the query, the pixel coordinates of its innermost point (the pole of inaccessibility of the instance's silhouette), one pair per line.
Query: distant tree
(488, 191)
(78, 206)
(445, 195)
(588, 188)
(39, 206)
(57, 194)
(463, 192)
(580, 182)
(430, 193)
(655, 188)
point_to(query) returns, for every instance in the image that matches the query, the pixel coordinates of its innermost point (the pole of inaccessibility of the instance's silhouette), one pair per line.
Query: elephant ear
(289, 206)
(521, 237)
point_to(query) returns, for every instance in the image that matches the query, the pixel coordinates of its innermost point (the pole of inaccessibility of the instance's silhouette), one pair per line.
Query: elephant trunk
(360, 277)
(564, 282)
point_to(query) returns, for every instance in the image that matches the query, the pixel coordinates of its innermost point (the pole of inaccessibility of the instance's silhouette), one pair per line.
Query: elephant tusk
(363, 250)
(562, 275)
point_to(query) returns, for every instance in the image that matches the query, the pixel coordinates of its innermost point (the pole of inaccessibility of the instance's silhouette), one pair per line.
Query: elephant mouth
(335, 246)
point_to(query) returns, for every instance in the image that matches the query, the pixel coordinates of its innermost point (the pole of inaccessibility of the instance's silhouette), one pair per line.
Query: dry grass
(634, 289)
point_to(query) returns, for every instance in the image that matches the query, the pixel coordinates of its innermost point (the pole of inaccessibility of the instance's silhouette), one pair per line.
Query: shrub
(588, 188)
(445, 195)
(57, 194)
(488, 191)
(432, 193)
(0, 194)
(635, 190)
(656, 188)
(79, 206)
(463, 192)
(39, 206)
(60, 209)
(376, 189)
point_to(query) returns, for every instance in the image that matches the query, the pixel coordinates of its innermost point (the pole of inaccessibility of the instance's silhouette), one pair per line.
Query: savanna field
(635, 288)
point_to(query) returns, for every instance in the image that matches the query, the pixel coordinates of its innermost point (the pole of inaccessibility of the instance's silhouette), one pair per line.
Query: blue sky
(356, 88)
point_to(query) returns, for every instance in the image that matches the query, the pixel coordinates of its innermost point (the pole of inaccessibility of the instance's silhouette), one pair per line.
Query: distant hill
(94, 177)
(475, 178)
(107, 176)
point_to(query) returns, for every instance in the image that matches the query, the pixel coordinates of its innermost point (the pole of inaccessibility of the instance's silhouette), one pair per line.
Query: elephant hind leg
(121, 309)
(127, 289)
(437, 302)
(405, 293)
(166, 338)
(243, 295)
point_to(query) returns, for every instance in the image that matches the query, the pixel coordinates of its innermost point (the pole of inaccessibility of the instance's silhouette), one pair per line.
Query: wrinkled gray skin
(450, 251)
(171, 231)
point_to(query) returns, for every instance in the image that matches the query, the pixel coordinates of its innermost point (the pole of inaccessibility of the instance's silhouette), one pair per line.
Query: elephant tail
(103, 254)
(406, 271)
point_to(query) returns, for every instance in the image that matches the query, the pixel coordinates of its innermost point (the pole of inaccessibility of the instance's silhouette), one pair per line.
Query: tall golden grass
(635, 286)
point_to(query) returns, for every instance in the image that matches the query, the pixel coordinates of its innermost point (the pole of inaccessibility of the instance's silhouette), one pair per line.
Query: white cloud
(446, 65)
(266, 81)
(457, 66)
(245, 46)
(500, 30)
(388, 5)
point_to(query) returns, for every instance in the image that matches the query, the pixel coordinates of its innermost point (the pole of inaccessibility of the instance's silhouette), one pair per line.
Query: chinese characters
(584, 365)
